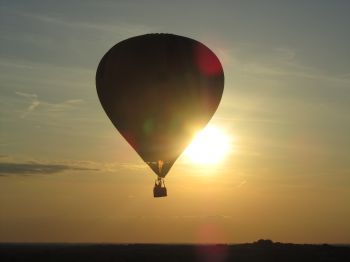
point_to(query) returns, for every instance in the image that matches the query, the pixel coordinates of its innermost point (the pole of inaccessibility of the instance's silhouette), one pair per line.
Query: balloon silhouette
(158, 90)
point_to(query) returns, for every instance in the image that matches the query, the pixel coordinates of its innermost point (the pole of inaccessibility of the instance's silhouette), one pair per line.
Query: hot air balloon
(158, 90)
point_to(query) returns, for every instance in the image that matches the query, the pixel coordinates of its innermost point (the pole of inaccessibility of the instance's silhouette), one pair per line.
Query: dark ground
(262, 250)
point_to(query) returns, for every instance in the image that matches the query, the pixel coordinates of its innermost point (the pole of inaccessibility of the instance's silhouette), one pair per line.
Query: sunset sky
(66, 174)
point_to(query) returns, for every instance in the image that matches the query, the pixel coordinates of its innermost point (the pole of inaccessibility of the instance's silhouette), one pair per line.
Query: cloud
(48, 107)
(115, 27)
(117, 166)
(4, 157)
(13, 168)
(279, 62)
(33, 104)
(32, 96)
(10, 166)
(65, 105)
(242, 183)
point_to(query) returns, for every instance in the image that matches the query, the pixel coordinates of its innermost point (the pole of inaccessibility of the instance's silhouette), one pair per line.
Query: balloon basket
(159, 189)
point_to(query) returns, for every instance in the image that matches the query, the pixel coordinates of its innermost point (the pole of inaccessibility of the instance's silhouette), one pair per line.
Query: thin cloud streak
(37, 168)
(50, 107)
(280, 63)
(11, 166)
(116, 27)
(34, 103)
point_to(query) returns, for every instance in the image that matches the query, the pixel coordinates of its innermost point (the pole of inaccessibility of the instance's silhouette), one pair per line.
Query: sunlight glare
(210, 146)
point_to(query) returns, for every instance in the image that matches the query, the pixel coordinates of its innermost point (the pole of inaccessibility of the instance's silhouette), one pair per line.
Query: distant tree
(264, 242)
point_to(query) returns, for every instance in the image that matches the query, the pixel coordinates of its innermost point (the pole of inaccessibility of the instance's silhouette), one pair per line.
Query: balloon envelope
(158, 89)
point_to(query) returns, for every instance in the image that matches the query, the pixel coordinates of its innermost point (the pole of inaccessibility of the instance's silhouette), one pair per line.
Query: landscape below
(262, 250)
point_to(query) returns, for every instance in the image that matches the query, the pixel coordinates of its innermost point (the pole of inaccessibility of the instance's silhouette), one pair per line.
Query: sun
(210, 146)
